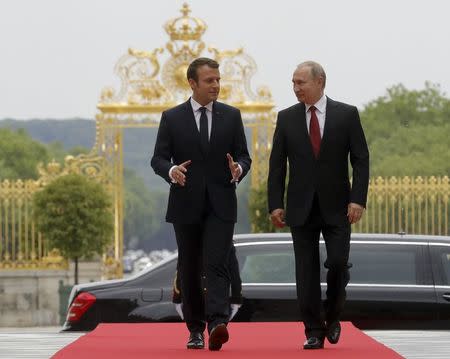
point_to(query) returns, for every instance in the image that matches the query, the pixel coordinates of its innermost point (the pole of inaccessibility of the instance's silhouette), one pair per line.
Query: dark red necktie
(314, 131)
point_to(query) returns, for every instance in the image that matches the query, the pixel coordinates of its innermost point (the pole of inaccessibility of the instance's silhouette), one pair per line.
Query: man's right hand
(178, 173)
(277, 217)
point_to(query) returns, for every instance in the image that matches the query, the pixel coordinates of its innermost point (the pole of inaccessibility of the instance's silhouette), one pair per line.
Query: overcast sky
(57, 55)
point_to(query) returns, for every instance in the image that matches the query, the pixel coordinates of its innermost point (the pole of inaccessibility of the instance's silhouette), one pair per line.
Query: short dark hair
(201, 61)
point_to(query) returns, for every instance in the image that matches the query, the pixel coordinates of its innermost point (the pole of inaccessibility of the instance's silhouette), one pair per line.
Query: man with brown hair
(201, 150)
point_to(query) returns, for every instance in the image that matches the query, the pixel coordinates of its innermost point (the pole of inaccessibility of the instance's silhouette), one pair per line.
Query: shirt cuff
(240, 171)
(240, 174)
(170, 174)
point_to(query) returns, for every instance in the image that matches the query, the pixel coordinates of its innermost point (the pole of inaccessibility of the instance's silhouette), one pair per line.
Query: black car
(397, 281)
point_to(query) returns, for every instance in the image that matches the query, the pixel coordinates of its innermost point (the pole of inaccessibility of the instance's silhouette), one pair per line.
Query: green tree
(407, 132)
(20, 155)
(78, 150)
(74, 215)
(56, 151)
(259, 211)
(142, 213)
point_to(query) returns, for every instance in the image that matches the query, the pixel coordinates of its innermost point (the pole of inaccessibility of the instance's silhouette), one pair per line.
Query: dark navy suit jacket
(328, 175)
(178, 140)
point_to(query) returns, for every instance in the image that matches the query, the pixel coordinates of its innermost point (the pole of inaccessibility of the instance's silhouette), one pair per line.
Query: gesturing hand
(234, 168)
(178, 173)
(277, 218)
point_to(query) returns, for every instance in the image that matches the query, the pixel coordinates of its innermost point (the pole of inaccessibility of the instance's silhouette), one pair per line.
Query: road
(42, 343)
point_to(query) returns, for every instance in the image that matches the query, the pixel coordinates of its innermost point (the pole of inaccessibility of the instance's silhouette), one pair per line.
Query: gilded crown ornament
(150, 84)
(185, 27)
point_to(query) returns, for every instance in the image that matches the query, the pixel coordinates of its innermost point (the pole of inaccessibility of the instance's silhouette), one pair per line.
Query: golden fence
(21, 245)
(418, 205)
(414, 205)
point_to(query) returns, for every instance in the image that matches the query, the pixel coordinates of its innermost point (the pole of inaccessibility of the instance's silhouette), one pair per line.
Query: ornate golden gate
(149, 86)
(416, 205)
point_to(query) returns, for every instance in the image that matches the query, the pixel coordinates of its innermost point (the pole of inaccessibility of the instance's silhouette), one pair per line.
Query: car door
(440, 259)
(389, 287)
(154, 302)
(268, 281)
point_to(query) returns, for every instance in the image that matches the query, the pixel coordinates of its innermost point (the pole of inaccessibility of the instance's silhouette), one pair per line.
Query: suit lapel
(330, 115)
(300, 118)
(191, 125)
(216, 123)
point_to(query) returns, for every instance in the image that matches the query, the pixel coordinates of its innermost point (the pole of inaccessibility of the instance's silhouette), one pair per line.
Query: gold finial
(185, 10)
(185, 28)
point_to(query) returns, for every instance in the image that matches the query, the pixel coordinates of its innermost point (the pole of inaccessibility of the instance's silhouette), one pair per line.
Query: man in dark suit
(235, 287)
(317, 136)
(201, 151)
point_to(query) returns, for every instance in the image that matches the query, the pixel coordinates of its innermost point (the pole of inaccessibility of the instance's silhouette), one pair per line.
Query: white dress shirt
(197, 113)
(321, 110)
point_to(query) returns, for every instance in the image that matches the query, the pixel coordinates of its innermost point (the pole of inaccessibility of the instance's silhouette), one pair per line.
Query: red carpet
(247, 340)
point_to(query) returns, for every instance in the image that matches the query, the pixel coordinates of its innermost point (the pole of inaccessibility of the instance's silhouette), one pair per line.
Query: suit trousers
(204, 248)
(307, 265)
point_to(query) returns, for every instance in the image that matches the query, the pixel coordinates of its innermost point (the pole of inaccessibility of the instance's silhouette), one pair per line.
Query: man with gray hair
(318, 136)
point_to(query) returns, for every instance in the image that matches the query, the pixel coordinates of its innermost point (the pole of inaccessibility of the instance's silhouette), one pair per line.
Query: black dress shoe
(196, 341)
(313, 343)
(217, 337)
(334, 332)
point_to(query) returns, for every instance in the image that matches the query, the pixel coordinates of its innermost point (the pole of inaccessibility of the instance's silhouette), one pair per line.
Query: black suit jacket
(178, 140)
(328, 176)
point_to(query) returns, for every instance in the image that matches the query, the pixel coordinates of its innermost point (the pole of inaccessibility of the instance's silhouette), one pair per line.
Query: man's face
(207, 87)
(307, 89)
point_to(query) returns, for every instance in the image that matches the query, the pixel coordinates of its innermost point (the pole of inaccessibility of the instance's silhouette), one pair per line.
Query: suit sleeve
(162, 155)
(359, 159)
(240, 153)
(277, 168)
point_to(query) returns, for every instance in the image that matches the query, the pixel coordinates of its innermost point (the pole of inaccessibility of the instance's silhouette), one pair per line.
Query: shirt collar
(196, 106)
(320, 105)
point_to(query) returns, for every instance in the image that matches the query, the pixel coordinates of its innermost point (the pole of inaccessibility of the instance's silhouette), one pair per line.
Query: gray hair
(316, 70)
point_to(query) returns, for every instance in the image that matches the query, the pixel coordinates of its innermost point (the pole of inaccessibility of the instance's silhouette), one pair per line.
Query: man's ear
(192, 83)
(321, 81)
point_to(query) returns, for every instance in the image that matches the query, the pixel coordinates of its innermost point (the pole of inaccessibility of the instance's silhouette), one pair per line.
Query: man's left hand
(354, 212)
(234, 169)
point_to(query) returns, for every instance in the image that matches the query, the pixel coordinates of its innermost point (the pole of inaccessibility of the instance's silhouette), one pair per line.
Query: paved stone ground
(415, 344)
(43, 342)
(36, 343)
